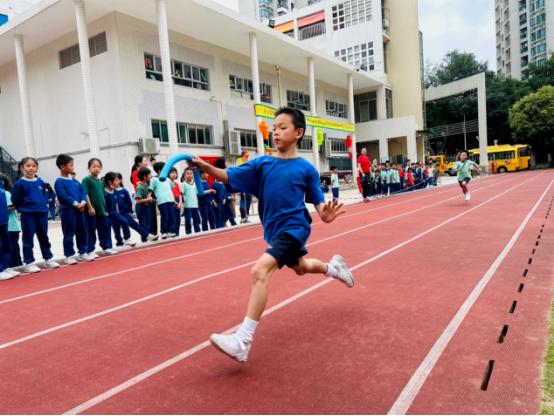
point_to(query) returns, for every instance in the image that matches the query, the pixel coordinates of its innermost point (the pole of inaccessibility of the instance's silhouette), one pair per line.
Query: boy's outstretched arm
(219, 174)
(329, 211)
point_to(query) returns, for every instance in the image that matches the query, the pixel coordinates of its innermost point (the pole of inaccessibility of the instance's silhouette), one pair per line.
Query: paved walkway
(349, 196)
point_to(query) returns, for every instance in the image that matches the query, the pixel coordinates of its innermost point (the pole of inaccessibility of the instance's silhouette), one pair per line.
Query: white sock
(331, 270)
(247, 329)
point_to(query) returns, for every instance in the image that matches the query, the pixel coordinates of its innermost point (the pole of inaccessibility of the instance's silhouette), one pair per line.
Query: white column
(411, 145)
(295, 28)
(381, 103)
(256, 87)
(352, 120)
(163, 35)
(24, 94)
(482, 115)
(383, 149)
(313, 108)
(88, 95)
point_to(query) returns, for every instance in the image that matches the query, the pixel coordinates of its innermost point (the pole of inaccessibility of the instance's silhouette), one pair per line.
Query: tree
(532, 121)
(455, 65)
(540, 75)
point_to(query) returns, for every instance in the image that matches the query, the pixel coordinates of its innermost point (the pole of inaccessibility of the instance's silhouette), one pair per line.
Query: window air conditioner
(150, 146)
(235, 149)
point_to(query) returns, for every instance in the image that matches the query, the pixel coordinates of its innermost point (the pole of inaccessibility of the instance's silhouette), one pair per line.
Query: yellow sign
(269, 112)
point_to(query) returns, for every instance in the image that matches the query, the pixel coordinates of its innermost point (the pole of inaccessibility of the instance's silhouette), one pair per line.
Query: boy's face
(95, 168)
(463, 156)
(68, 168)
(188, 176)
(147, 178)
(204, 176)
(335, 170)
(285, 135)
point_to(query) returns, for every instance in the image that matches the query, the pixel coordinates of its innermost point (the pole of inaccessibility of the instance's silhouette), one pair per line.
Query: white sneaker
(343, 274)
(468, 197)
(92, 255)
(164, 236)
(86, 257)
(51, 264)
(71, 260)
(13, 272)
(152, 237)
(130, 243)
(110, 251)
(6, 275)
(31, 268)
(171, 235)
(231, 345)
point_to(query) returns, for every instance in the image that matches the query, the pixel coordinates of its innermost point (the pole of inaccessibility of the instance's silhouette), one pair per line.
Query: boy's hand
(199, 163)
(81, 207)
(329, 211)
(91, 212)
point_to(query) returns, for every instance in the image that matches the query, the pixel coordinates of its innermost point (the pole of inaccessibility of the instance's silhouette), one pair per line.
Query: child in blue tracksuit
(5, 245)
(51, 201)
(222, 205)
(73, 202)
(14, 229)
(206, 205)
(29, 198)
(111, 184)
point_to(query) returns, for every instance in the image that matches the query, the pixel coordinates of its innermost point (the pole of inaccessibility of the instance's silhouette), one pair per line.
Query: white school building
(177, 76)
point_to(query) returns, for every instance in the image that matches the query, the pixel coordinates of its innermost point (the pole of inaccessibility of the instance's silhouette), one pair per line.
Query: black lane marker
(513, 307)
(503, 333)
(530, 260)
(525, 272)
(520, 288)
(533, 252)
(487, 376)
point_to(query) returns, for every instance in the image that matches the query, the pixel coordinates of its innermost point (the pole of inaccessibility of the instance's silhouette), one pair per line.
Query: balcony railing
(311, 31)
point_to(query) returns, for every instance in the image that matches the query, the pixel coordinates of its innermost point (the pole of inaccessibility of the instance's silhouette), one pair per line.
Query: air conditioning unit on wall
(235, 148)
(149, 145)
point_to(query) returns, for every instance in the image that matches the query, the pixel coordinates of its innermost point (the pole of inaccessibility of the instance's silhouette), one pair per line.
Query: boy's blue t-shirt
(123, 201)
(282, 187)
(4, 214)
(206, 198)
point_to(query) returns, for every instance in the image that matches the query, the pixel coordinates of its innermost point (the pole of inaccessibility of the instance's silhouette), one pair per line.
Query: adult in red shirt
(364, 170)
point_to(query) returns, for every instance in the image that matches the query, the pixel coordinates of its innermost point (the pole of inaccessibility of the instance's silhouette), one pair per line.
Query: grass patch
(547, 399)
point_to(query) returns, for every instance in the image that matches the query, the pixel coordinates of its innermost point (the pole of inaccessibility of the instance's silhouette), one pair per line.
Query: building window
(248, 138)
(388, 95)
(306, 143)
(365, 107)
(69, 56)
(298, 100)
(159, 130)
(359, 56)
(351, 13)
(244, 86)
(311, 31)
(333, 108)
(183, 74)
(186, 133)
(338, 145)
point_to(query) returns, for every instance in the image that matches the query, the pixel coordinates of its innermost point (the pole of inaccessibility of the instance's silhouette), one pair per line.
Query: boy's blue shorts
(287, 250)
(336, 192)
(466, 180)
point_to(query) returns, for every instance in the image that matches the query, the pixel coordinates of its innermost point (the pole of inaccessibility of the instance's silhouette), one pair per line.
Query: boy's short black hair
(298, 119)
(158, 166)
(463, 151)
(143, 172)
(333, 167)
(63, 160)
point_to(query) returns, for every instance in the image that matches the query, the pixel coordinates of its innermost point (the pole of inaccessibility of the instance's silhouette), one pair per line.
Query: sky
(466, 25)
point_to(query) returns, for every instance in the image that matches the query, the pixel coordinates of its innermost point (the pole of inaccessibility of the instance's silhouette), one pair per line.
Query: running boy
(281, 184)
(463, 167)
(73, 201)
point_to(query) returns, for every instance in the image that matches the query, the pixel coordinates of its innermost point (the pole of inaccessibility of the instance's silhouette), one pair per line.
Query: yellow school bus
(439, 161)
(505, 157)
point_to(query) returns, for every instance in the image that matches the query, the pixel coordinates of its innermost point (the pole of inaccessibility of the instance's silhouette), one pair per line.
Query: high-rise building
(524, 35)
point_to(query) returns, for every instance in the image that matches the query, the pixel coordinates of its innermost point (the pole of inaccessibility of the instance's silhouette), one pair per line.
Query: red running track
(128, 334)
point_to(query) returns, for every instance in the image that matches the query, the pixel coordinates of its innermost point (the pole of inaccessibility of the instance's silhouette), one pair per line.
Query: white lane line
(185, 354)
(144, 266)
(411, 390)
(200, 279)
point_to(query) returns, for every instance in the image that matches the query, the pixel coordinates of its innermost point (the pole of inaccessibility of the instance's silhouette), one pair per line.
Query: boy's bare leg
(261, 273)
(310, 266)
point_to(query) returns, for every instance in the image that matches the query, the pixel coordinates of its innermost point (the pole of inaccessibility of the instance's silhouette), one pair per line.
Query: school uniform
(98, 223)
(206, 207)
(70, 194)
(143, 211)
(123, 221)
(176, 210)
(14, 229)
(223, 210)
(29, 198)
(5, 245)
(191, 211)
(166, 201)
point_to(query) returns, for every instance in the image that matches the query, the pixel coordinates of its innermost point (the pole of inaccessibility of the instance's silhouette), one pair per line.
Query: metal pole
(352, 120)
